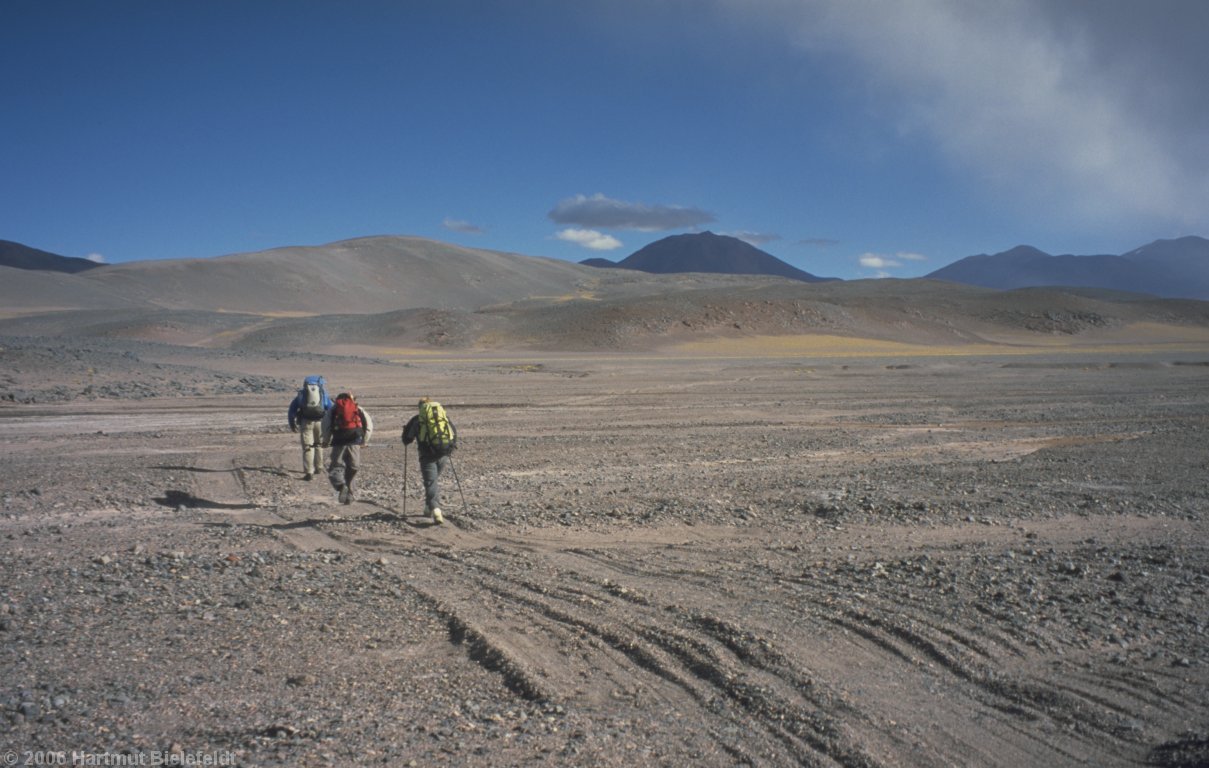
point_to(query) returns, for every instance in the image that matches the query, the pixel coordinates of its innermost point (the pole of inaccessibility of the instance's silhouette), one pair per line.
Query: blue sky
(850, 138)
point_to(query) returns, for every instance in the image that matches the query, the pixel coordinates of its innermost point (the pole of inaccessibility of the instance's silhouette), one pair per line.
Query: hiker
(435, 439)
(307, 410)
(346, 428)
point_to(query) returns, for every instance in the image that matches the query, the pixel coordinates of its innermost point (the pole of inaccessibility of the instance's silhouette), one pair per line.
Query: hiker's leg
(307, 440)
(352, 462)
(316, 428)
(336, 469)
(430, 470)
(312, 454)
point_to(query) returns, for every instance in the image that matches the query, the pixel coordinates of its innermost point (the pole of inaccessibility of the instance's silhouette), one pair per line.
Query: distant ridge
(706, 252)
(1176, 268)
(598, 262)
(23, 257)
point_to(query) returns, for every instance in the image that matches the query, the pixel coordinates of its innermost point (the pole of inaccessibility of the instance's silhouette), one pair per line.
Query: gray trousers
(310, 432)
(430, 470)
(346, 460)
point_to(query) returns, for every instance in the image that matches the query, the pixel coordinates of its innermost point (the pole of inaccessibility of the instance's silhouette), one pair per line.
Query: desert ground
(835, 554)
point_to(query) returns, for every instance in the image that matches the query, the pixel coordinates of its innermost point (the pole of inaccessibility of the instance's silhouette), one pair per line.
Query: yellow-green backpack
(436, 431)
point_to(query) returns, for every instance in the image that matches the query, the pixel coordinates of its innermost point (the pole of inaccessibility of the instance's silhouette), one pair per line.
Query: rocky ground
(647, 561)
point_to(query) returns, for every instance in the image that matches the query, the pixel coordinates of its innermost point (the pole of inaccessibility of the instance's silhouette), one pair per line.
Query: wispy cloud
(883, 263)
(589, 238)
(818, 242)
(754, 238)
(874, 261)
(96, 257)
(465, 227)
(1085, 110)
(607, 213)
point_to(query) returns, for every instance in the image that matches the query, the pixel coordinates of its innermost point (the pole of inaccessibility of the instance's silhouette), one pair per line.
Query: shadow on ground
(176, 498)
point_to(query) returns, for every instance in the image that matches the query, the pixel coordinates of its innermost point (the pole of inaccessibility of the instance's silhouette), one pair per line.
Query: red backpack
(345, 414)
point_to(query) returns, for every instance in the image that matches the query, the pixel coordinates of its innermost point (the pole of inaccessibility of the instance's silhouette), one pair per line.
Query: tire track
(907, 634)
(687, 665)
(562, 624)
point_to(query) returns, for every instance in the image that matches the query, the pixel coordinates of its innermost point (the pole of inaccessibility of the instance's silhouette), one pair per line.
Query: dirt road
(894, 562)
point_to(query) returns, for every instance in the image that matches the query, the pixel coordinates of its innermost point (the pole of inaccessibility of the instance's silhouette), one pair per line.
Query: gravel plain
(648, 560)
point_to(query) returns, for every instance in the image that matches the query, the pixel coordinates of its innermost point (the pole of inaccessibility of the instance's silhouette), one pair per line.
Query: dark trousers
(430, 470)
(346, 460)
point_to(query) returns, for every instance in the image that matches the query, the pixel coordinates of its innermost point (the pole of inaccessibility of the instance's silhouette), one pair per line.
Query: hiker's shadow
(383, 514)
(176, 499)
(278, 471)
(390, 514)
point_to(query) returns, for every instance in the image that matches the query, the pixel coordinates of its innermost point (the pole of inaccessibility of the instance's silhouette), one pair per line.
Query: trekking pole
(404, 480)
(459, 482)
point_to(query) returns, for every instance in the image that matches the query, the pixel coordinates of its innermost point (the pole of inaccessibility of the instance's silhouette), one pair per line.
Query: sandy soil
(685, 561)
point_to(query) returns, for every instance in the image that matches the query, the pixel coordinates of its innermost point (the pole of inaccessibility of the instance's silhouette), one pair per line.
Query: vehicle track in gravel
(768, 660)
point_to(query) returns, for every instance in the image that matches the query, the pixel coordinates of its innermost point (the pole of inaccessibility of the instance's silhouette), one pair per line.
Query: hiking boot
(307, 476)
(437, 517)
(348, 494)
(345, 494)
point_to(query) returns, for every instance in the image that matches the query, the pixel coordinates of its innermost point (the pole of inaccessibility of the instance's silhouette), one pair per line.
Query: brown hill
(373, 274)
(23, 291)
(364, 275)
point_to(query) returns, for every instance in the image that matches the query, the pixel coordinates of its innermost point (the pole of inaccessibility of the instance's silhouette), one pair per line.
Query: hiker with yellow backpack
(435, 438)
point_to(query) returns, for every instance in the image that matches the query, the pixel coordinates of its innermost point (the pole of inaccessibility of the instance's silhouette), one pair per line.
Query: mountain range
(1176, 268)
(404, 293)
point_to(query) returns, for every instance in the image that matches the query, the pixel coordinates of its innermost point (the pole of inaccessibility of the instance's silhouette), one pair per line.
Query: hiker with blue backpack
(435, 439)
(307, 410)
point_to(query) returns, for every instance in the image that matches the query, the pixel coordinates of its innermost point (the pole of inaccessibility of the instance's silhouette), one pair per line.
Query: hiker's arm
(325, 437)
(410, 430)
(369, 427)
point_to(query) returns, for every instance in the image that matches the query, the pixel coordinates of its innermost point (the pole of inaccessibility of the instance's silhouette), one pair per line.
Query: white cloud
(589, 238)
(874, 261)
(883, 263)
(457, 225)
(1093, 110)
(607, 213)
(96, 257)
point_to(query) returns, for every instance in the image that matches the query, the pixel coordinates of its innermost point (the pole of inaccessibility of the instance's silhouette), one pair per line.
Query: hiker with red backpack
(307, 410)
(346, 428)
(435, 439)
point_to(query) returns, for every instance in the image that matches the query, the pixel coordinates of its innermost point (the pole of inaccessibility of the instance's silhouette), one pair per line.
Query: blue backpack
(313, 397)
